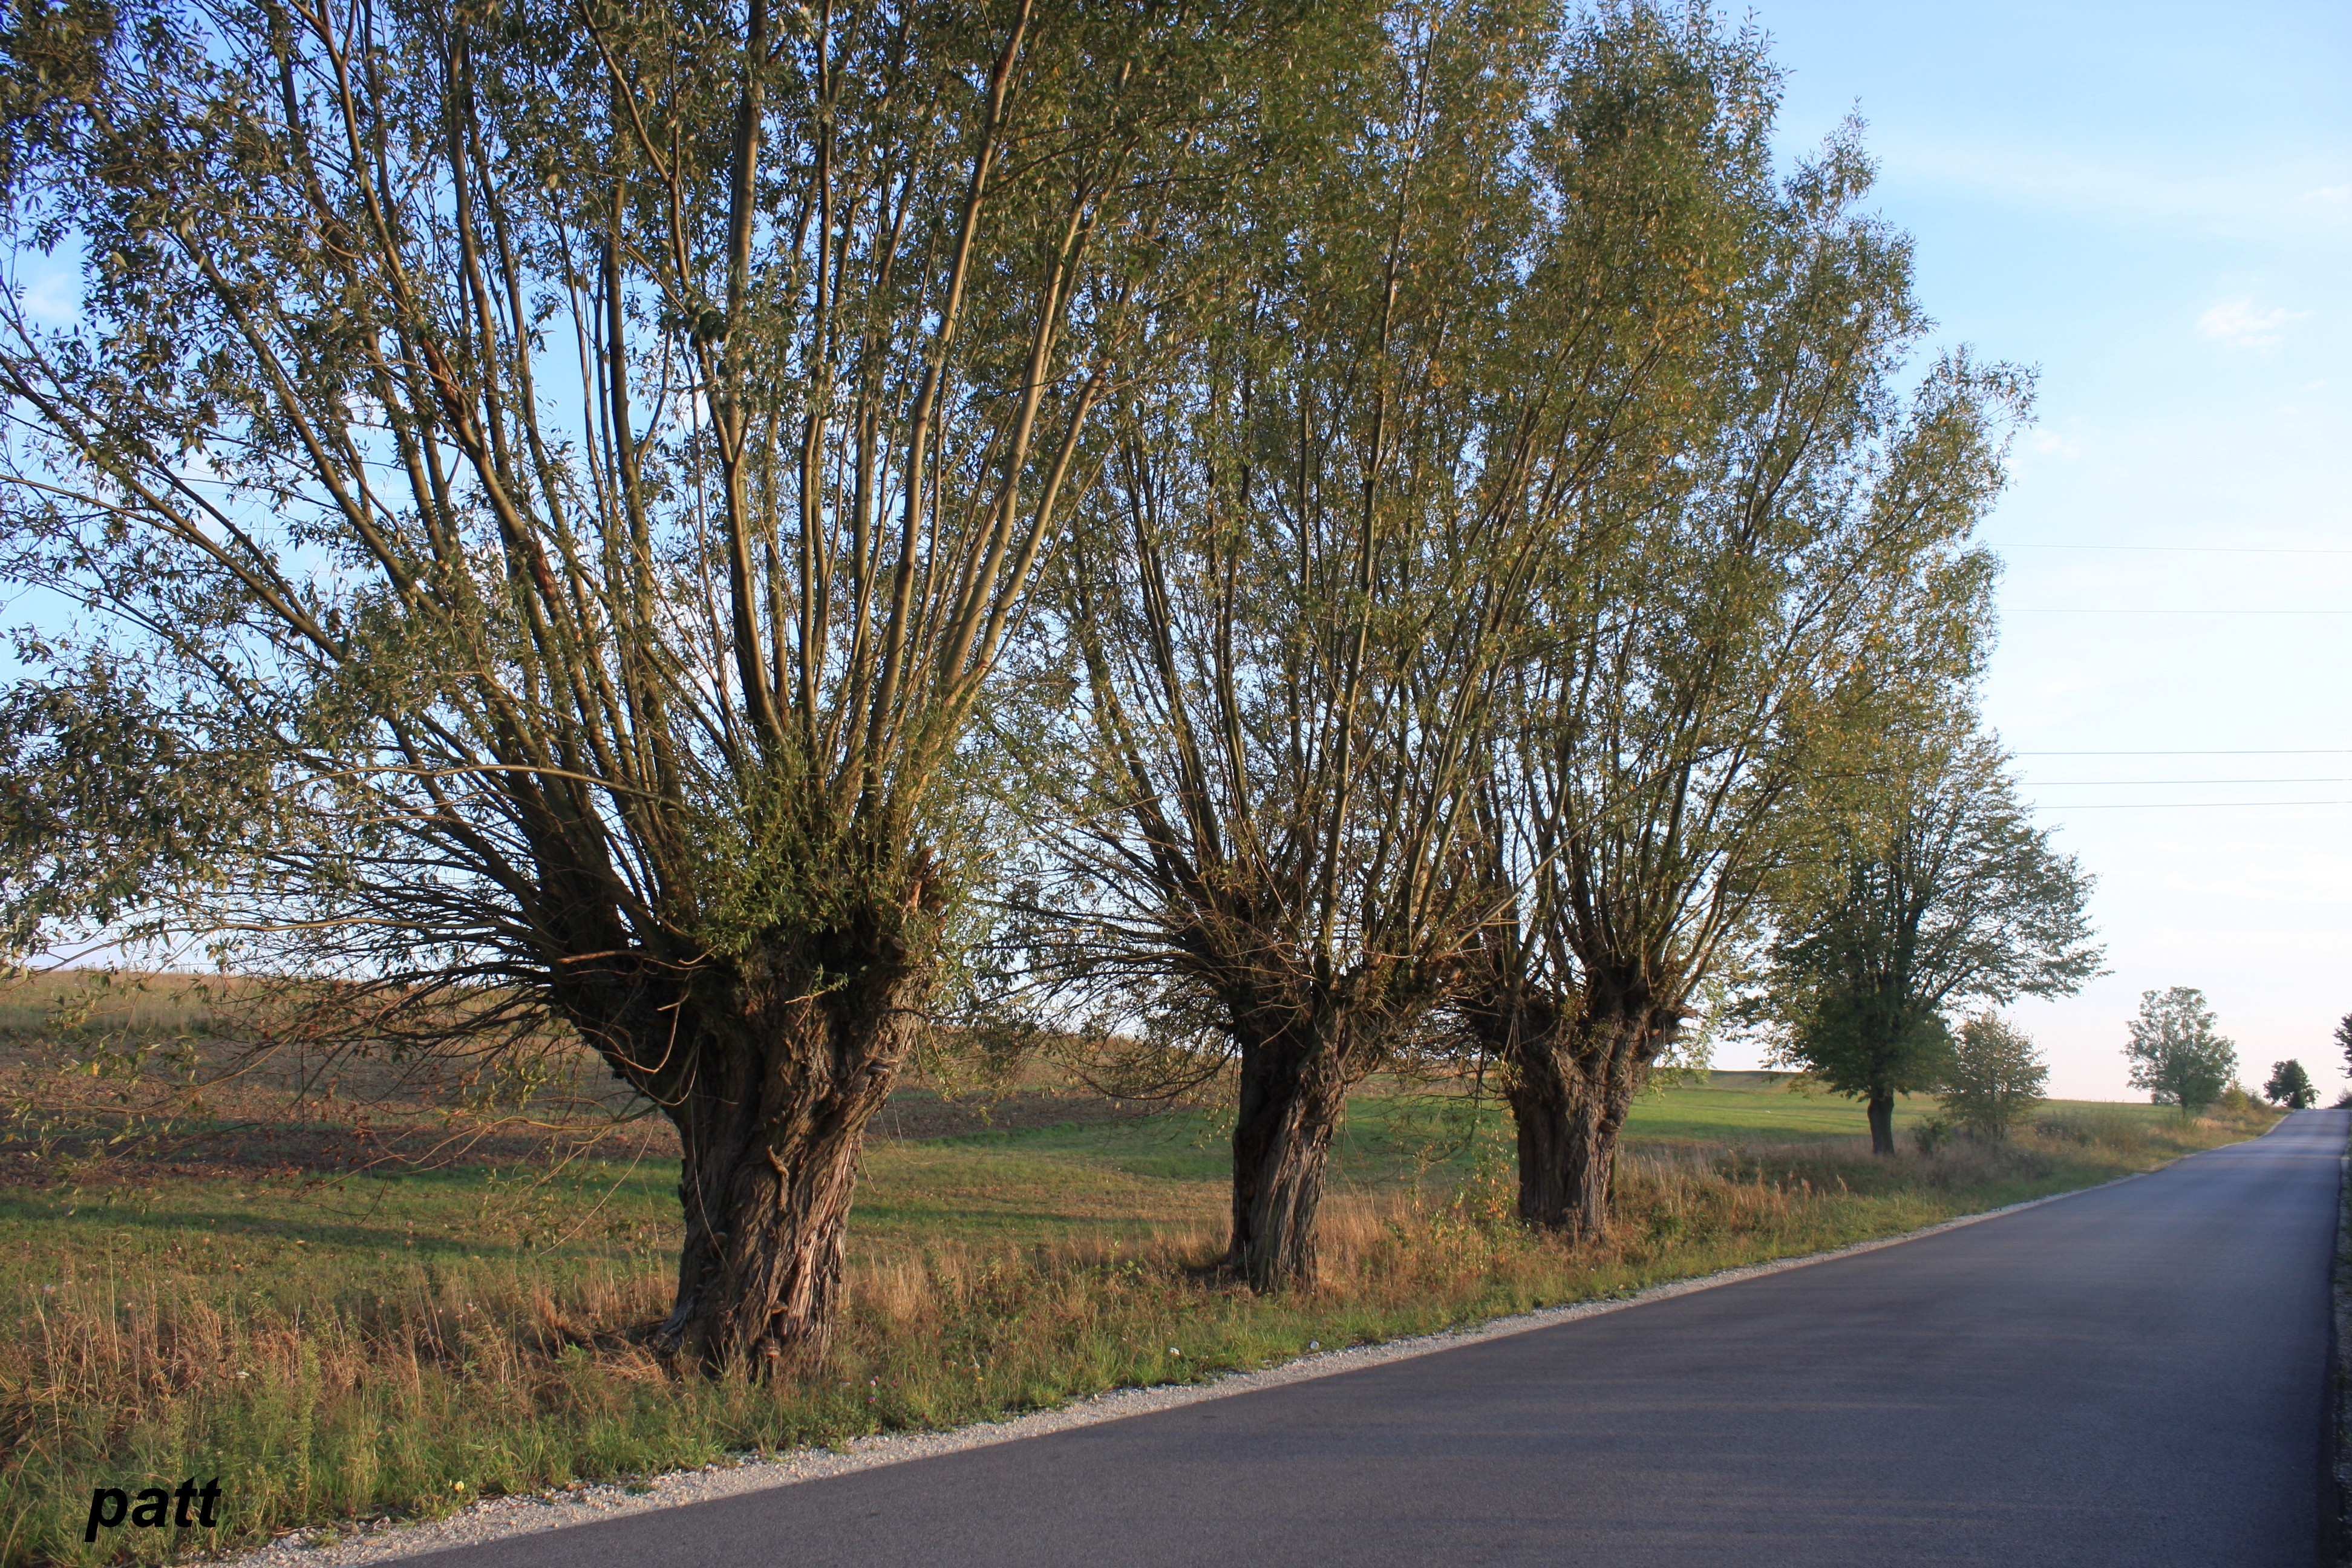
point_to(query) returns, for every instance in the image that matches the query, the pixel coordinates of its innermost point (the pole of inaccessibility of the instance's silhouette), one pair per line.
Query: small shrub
(1995, 1079)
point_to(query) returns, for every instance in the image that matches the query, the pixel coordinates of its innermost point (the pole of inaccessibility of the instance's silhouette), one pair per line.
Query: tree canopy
(1938, 891)
(1704, 638)
(2175, 1052)
(1283, 610)
(2291, 1086)
(1277, 525)
(557, 483)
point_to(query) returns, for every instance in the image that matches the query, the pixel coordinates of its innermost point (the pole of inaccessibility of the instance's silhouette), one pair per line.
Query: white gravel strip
(497, 1517)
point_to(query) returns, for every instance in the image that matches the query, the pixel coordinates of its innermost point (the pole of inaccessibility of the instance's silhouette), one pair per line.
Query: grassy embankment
(399, 1342)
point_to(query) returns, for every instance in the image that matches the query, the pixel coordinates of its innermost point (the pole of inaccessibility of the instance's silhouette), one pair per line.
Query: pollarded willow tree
(1289, 623)
(1724, 623)
(1935, 889)
(550, 486)
(1250, 790)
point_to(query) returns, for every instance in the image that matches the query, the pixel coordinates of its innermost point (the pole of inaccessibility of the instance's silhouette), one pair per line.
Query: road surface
(2130, 1376)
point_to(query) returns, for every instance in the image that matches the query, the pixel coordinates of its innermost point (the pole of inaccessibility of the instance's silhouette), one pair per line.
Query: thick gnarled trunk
(766, 1197)
(770, 1085)
(1566, 1148)
(1291, 1097)
(1569, 1075)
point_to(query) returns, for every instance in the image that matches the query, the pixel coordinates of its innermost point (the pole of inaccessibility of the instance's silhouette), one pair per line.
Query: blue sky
(2153, 205)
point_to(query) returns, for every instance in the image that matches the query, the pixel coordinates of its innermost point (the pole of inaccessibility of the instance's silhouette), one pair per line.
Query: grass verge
(370, 1347)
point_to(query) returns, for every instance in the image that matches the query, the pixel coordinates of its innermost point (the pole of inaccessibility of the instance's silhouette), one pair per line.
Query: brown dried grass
(408, 1387)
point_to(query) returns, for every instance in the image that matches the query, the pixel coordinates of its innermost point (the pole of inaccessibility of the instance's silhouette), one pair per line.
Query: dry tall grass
(414, 1387)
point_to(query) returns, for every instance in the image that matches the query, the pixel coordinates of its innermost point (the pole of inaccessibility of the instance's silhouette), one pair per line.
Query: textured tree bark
(1569, 1075)
(1294, 1087)
(1568, 1157)
(1545, 1101)
(770, 1085)
(1881, 1122)
(765, 1199)
(1568, 1112)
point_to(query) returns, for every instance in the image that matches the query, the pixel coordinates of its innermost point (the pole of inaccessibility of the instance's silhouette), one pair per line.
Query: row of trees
(1288, 536)
(1989, 1074)
(2180, 1058)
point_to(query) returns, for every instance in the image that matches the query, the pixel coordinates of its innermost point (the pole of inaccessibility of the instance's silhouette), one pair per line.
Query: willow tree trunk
(770, 1085)
(1569, 1078)
(1294, 1087)
(1565, 1155)
(1881, 1122)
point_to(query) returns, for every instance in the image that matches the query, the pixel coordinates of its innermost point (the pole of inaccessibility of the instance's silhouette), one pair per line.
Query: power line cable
(2179, 804)
(2180, 549)
(2084, 783)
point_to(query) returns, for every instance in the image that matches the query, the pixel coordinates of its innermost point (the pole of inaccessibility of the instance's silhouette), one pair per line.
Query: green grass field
(279, 1235)
(397, 1343)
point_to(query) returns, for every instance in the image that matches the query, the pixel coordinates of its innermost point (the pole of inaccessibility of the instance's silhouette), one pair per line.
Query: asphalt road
(2131, 1376)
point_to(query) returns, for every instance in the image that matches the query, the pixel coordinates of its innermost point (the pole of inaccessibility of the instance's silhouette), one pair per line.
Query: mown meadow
(398, 1341)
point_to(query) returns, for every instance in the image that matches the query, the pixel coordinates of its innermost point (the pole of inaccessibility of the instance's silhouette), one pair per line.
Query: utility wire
(2080, 783)
(2182, 549)
(2181, 805)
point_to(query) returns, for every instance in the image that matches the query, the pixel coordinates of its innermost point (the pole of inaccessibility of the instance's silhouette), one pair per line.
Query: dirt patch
(312, 1140)
(913, 1115)
(280, 1149)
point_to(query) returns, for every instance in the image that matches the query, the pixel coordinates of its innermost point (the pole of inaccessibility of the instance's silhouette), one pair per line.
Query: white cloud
(2237, 324)
(2052, 444)
(52, 298)
(2138, 188)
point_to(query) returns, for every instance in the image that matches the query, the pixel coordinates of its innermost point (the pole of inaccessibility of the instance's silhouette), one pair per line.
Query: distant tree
(2344, 1040)
(1994, 1078)
(2290, 1086)
(2175, 1054)
(1937, 889)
